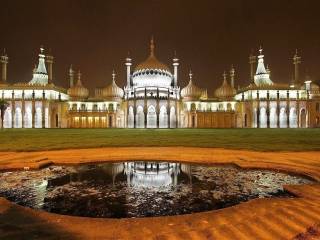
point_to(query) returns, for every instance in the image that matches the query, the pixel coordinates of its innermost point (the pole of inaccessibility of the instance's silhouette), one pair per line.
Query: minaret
(128, 64)
(232, 75)
(175, 69)
(49, 61)
(252, 62)
(296, 62)
(4, 62)
(71, 76)
(152, 47)
(190, 76)
(79, 78)
(262, 77)
(113, 77)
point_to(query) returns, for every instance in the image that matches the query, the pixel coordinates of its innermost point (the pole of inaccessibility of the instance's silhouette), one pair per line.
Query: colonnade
(27, 114)
(279, 117)
(152, 116)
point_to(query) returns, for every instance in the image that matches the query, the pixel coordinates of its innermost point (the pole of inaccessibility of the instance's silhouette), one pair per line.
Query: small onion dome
(225, 91)
(112, 90)
(78, 91)
(191, 91)
(152, 63)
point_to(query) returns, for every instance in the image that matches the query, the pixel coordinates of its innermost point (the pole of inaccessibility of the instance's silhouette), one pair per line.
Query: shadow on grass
(17, 224)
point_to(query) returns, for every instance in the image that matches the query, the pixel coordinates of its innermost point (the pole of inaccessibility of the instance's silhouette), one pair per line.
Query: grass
(250, 139)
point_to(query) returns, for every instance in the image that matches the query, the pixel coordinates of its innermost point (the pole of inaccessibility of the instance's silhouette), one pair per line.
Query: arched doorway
(130, 118)
(245, 120)
(7, 123)
(263, 117)
(38, 118)
(28, 118)
(293, 118)
(273, 118)
(140, 117)
(317, 122)
(151, 117)
(283, 118)
(18, 118)
(163, 117)
(173, 118)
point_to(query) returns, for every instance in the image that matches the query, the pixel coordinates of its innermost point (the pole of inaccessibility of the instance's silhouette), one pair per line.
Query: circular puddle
(141, 189)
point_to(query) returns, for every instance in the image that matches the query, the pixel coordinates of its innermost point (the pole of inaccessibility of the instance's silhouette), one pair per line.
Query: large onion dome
(78, 91)
(152, 72)
(191, 91)
(225, 91)
(152, 63)
(112, 91)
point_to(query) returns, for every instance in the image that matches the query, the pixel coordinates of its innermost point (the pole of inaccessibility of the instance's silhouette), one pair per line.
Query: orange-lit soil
(293, 218)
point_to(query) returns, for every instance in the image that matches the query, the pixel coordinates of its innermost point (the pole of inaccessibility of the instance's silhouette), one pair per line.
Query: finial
(224, 76)
(152, 46)
(113, 75)
(232, 71)
(4, 52)
(296, 52)
(260, 50)
(41, 49)
(190, 75)
(70, 69)
(79, 75)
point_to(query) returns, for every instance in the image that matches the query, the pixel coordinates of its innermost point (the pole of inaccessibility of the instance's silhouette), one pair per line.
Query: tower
(175, 69)
(252, 62)
(4, 61)
(296, 62)
(128, 64)
(71, 76)
(232, 75)
(49, 61)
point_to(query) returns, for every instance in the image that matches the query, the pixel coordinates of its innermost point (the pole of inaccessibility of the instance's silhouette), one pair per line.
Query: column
(13, 110)
(258, 110)
(145, 108)
(278, 110)
(168, 109)
(43, 110)
(158, 108)
(33, 109)
(134, 110)
(23, 109)
(176, 106)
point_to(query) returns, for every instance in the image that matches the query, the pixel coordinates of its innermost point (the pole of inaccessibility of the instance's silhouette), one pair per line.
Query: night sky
(208, 36)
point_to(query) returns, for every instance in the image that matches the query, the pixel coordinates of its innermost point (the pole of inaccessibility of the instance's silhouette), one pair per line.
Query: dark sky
(208, 36)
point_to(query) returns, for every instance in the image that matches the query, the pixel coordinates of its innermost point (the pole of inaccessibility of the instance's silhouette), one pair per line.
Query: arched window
(193, 106)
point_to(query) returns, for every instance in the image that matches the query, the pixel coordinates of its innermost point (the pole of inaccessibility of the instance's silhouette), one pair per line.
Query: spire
(152, 47)
(224, 77)
(261, 68)
(262, 77)
(40, 76)
(71, 76)
(296, 63)
(190, 76)
(113, 76)
(252, 62)
(79, 83)
(232, 75)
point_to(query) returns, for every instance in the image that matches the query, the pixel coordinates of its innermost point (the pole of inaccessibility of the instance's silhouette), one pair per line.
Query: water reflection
(136, 174)
(140, 189)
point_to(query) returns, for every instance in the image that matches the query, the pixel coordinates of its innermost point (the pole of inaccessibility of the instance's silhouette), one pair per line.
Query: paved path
(296, 218)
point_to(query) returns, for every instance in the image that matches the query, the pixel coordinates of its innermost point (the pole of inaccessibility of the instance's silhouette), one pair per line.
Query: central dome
(152, 73)
(152, 63)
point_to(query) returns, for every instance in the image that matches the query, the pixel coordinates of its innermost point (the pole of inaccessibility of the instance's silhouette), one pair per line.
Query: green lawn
(251, 139)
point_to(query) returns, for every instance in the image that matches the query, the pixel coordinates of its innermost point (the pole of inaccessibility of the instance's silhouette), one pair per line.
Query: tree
(3, 106)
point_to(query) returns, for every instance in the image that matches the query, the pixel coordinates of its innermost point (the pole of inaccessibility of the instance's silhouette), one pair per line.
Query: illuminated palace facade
(152, 98)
